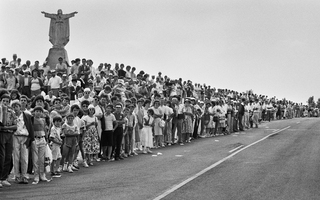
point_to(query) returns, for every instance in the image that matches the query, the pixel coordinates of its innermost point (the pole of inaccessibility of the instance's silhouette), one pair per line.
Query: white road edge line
(236, 148)
(177, 186)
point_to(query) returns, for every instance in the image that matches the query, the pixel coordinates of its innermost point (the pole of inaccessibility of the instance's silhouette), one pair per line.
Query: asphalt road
(246, 166)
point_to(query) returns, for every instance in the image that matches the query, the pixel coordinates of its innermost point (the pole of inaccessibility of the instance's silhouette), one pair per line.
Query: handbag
(162, 123)
(47, 158)
(215, 118)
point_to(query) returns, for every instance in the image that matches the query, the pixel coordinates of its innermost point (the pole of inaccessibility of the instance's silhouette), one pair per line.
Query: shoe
(65, 167)
(27, 177)
(24, 180)
(6, 183)
(18, 180)
(117, 159)
(1, 185)
(135, 153)
(44, 179)
(91, 163)
(98, 159)
(59, 169)
(85, 164)
(35, 182)
(149, 151)
(74, 168)
(13, 177)
(124, 155)
(121, 158)
(169, 144)
(111, 160)
(181, 144)
(75, 164)
(70, 169)
(55, 175)
(144, 152)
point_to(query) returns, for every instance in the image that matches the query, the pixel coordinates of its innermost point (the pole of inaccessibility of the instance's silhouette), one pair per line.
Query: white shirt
(21, 127)
(54, 82)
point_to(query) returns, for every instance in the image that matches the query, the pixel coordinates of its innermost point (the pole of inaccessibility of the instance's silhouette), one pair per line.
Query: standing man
(240, 114)
(55, 83)
(22, 139)
(7, 128)
(118, 132)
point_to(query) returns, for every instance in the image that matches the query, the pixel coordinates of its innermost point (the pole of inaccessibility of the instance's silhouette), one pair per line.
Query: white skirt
(146, 136)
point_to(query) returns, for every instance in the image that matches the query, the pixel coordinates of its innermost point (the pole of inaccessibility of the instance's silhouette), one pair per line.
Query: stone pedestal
(54, 54)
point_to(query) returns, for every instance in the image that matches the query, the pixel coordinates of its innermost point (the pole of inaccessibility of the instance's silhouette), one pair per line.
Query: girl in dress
(90, 138)
(157, 127)
(146, 132)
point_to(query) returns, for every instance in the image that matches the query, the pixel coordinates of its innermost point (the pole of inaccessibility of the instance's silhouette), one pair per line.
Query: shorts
(107, 138)
(71, 141)
(56, 151)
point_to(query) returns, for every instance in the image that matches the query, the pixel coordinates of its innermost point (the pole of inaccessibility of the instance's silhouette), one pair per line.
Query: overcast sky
(272, 47)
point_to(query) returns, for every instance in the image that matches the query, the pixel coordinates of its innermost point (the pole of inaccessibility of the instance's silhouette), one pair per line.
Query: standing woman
(90, 138)
(146, 132)
(36, 84)
(157, 123)
(187, 126)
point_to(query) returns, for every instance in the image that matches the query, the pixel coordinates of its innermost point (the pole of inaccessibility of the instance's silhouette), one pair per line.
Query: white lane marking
(275, 130)
(298, 122)
(236, 148)
(177, 186)
(179, 155)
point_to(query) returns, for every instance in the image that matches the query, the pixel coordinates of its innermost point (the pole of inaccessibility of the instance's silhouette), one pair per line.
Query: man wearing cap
(7, 126)
(86, 96)
(55, 83)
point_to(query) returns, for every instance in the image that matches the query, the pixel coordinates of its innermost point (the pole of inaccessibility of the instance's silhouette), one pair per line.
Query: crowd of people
(107, 113)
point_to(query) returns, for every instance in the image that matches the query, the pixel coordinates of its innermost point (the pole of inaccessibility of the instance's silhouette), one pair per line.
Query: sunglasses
(84, 106)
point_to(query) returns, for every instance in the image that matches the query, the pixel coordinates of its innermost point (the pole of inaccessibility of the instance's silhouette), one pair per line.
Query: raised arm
(48, 15)
(70, 15)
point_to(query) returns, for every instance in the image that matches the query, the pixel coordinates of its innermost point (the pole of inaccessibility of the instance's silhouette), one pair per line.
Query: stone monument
(59, 33)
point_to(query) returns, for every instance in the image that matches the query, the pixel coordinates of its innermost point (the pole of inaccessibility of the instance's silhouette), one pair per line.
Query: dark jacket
(28, 122)
(241, 109)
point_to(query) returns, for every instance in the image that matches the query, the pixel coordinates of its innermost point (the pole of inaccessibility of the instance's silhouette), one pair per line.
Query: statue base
(54, 55)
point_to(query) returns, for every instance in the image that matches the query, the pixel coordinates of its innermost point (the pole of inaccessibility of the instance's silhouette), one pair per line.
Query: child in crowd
(39, 145)
(56, 143)
(70, 130)
(107, 134)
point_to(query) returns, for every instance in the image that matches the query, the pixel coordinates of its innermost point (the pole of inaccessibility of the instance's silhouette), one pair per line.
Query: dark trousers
(26, 91)
(269, 114)
(196, 127)
(6, 149)
(240, 122)
(117, 140)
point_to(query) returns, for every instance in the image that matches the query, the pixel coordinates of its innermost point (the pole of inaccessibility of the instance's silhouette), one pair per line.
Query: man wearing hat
(55, 83)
